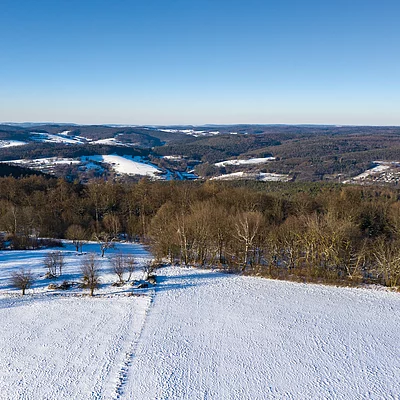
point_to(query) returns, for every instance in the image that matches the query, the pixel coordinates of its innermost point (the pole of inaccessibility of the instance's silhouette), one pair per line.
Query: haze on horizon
(200, 62)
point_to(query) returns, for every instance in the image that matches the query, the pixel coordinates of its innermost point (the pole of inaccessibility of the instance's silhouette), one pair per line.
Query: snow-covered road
(213, 336)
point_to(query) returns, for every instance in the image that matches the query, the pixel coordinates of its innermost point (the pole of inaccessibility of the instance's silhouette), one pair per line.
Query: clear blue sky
(192, 61)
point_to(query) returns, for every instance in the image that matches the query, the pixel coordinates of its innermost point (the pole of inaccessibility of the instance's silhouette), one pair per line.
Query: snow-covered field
(199, 335)
(64, 344)
(261, 160)
(49, 161)
(11, 143)
(121, 164)
(61, 137)
(257, 176)
(214, 336)
(384, 171)
(127, 165)
(110, 142)
(191, 132)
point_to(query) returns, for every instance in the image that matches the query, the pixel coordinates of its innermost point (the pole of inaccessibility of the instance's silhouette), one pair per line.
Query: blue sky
(195, 62)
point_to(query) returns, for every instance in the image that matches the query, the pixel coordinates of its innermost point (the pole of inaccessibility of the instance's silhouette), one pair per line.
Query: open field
(64, 344)
(214, 336)
(199, 335)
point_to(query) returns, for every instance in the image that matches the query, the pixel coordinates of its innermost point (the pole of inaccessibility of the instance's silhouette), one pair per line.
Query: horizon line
(194, 125)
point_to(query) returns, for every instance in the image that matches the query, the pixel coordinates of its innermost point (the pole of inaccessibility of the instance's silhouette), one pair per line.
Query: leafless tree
(247, 228)
(22, 280)
(118, 265)
(90, 273)
(130, 266)
(112, 224)
(122, 264)
(54, 262)
(149, 268)
(387, 257)
(77, 234)
(105, 240)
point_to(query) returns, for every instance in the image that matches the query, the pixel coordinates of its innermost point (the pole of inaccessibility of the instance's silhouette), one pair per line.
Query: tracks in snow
(122, 375)
(215, 336)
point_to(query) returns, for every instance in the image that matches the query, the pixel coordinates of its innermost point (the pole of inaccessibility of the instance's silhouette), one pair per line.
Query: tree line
(311, 232)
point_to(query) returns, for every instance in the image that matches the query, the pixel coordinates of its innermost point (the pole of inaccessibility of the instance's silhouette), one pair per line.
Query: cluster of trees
(347, 234)
(121, 264)
(286, 230)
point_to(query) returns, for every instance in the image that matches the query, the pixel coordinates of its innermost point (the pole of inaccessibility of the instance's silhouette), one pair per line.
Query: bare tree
(247, 228)
(112, 224)
(130, 266)
(387, 257)
(118, 265)
(59, 257)
(90, 273)
(77, 234)
(122, 264)
(22, 280)
(105, 240)
(149, 268)
(54, 262)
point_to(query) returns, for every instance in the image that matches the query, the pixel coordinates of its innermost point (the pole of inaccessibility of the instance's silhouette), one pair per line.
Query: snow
(173, 158)
(65, 348)
(57, 138)
(169, 130)
(384, 171)
(258, 176)
(372, 171)
(65, 345)
(127, 165)
(199, 334)
(110, 142)
(11, 143)
(121, 164)
(215, 336)
(190, 132)
(260, 160)
(49, 161)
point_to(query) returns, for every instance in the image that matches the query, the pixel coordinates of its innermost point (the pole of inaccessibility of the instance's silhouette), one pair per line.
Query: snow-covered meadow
(249, 161)
(198, 334)
(257, 176)
(11, 143)
(58, 344)
(123, 165)
(128, 165)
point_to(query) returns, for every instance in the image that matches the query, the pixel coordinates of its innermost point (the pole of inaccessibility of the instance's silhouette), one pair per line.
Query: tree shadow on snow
(185, 281)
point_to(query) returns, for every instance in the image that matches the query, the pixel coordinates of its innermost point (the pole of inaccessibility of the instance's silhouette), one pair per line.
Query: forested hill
(299, 153)
(17, 172)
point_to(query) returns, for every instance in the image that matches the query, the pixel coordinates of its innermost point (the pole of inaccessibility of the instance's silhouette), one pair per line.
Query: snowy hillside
(128, 165)
(11, 143)
(198, 335)
(122, 165)
(261, 160)
(214, 336)
(258, 176)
